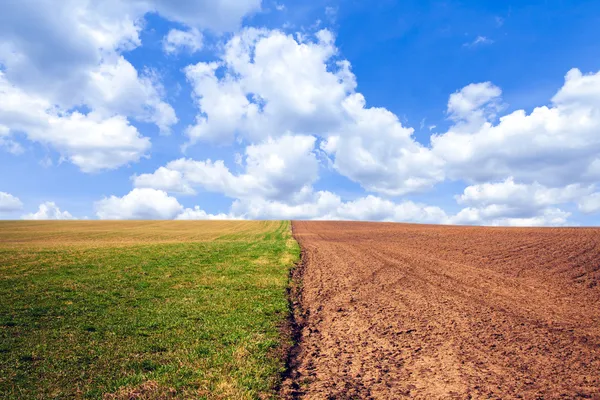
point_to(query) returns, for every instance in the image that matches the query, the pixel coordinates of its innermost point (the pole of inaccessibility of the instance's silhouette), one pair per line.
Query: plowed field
(396, 310)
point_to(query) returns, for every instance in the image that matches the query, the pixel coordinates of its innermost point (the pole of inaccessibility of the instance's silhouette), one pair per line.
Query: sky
(470, 112)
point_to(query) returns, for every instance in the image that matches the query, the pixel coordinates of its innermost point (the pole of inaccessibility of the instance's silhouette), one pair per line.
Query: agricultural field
(394, 311)
(157, 310)
(200, 310)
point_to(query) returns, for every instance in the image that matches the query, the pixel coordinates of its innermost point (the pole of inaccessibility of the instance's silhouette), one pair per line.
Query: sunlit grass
(88, 311)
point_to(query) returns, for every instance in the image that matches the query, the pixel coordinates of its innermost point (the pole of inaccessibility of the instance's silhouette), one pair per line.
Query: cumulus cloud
(375, 150)
(517, 204)
(146, 203)
(272, 84)
(329, 206)
(519, 195)
(269, 84)
(90, 141)
(75, 60)
(554, 145)
(48, 210)
(117, 88)
(9, 203)
(495, 215)
(280, 168)
(67, 55)
(178, 40)
(468, 103)
(139, 204)
(197, 213)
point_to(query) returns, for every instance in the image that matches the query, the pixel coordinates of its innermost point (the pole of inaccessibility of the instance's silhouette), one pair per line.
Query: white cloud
(272, 84)
(139, 204)
(117, 88)
(328, 206)
(50, 47)
(53, 64)
(496, 216)
(279, 168)
(90, 141)
(178, 40)
(590, 204)
(476, 102)
(375, 150)
(269, 84)
(67, 55)
(554, 145)
(516, 204)
(166, 178)
(48, 210)
(9, 203)
(199, 214)
(520, 195)
(479, 41)
(149, 203)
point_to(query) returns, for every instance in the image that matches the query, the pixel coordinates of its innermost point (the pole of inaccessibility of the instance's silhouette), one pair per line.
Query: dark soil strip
(290, 387)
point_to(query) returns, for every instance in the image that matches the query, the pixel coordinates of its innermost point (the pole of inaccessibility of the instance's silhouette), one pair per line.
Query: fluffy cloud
(477, 101)
(54, 64)
(67, 55)
(117, 88)
(375, 150)
(520, 195)
(495, 215)
(48, 210)
(326, 205)
(270, 84)
(197, 213)
(149, 203)
(75, 60)
(178, 40)
(90, 141)
(9, 203)
(42, 39)
(139, 204)
(293, 102)
(554, 145)
(281, 168)
(516, 204)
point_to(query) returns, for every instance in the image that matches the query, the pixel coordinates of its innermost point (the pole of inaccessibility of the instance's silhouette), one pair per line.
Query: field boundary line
(290, 387)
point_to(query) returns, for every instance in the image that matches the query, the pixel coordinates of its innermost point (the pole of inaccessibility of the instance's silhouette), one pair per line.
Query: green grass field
(158, 310)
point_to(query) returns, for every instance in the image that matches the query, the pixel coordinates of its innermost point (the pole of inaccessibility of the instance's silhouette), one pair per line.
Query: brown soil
(416, 311)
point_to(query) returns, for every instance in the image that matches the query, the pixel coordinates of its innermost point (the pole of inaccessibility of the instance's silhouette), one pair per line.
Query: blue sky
(439, 112)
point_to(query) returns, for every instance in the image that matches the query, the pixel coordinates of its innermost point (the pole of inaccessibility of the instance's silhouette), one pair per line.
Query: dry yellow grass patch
(42, 234)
